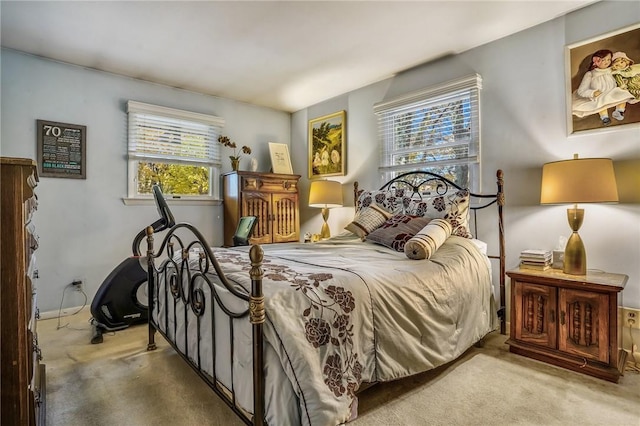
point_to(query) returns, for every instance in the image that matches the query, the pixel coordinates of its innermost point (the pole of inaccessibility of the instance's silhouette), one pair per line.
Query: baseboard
(64, 312)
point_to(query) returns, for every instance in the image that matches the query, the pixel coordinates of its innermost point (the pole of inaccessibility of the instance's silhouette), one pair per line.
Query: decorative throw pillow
(390, 200)
(428, 240)
(453, 207)
(368, 219)
(397, 230)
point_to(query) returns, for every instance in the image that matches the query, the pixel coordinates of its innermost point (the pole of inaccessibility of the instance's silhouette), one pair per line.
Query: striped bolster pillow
(428, 240)
(367, 220)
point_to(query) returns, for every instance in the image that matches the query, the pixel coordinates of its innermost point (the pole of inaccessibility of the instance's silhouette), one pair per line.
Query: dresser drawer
(254, 183)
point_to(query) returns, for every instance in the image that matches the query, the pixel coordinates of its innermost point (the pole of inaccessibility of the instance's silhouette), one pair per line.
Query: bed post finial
(256, 301)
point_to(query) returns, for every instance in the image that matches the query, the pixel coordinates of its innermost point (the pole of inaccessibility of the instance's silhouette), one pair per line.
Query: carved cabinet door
(286, 222)
(584, 324)
(535, 314)
(258, 204)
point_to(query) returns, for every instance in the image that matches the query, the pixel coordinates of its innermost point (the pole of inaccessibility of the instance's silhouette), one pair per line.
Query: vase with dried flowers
(235, 158)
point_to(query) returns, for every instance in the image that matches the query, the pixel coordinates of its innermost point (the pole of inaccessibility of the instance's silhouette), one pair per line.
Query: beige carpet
(119, 383)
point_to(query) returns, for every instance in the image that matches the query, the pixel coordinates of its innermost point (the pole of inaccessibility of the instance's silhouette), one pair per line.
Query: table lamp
(325, 194)
(580, 180)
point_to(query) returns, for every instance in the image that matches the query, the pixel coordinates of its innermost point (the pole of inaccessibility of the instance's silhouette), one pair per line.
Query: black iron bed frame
(175, 251)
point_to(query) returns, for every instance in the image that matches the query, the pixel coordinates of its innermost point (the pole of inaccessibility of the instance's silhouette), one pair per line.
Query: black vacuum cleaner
(121, 300)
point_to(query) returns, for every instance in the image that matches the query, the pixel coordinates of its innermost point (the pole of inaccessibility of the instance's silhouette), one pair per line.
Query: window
(175, 149)
(437, 129)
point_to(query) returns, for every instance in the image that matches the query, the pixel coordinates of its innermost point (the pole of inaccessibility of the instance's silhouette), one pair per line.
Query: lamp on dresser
(580, 180)
(325, 194)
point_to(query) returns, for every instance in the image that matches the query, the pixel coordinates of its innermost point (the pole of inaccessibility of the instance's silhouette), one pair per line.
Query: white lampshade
(581, 180)
(325, 193)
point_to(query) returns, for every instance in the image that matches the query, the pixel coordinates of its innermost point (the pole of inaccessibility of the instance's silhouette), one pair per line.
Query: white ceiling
(284, 55)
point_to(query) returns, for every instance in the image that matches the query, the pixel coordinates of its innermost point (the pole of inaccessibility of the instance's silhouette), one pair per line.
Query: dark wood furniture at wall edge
(568, 320)
(271, 197)
(23, 376)
(256, 304)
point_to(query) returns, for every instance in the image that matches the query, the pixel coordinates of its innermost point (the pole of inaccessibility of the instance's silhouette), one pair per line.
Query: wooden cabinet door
(259, 205)
(535, 314)
(286, 223)
(584, 324)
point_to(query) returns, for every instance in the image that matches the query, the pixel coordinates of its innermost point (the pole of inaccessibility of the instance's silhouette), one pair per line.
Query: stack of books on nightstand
(535, 259)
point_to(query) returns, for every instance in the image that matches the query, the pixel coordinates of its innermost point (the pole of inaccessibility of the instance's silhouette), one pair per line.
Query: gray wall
(523, 127)
(85, 229)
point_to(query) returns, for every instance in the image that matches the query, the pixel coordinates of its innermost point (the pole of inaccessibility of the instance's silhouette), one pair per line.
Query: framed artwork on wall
(327, 145)
(603, 81)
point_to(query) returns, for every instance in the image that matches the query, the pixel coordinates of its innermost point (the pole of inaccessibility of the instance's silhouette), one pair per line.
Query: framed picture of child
(603, 81)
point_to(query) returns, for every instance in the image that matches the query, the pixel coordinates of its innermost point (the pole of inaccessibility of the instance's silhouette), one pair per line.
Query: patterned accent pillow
(390, 200)
(428, 240)
(368, 219)
(454, 207)
(397, 230)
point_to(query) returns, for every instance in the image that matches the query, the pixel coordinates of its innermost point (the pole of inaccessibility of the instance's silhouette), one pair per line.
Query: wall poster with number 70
(62, 150)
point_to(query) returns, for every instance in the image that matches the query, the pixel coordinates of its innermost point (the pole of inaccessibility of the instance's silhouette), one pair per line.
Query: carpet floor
(119, 383)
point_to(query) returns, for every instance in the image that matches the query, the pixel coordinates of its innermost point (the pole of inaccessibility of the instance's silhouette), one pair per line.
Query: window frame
(389, 114)
(134, 157)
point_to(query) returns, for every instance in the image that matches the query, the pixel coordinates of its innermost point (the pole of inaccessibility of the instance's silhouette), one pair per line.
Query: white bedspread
(344, 312)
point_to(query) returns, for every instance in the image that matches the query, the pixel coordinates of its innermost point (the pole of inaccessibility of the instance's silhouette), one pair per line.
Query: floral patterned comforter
(344, 312)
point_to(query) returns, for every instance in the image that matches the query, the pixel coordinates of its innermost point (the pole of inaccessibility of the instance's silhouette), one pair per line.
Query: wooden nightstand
(568, 320)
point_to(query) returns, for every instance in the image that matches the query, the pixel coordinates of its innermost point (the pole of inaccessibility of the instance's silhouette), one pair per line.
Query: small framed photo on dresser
(280, 159)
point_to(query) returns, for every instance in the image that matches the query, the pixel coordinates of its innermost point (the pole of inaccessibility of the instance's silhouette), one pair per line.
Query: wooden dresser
(23, 377)
(272, 198)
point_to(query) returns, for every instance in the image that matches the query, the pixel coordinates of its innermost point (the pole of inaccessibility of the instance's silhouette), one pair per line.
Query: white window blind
(179, 136)
(159, 137)
(436, 129)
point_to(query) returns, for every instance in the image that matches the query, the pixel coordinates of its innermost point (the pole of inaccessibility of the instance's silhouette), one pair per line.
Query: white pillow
(428, 240)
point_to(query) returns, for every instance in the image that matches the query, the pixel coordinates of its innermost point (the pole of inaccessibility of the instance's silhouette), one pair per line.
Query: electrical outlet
(630, 317)
(76, 285)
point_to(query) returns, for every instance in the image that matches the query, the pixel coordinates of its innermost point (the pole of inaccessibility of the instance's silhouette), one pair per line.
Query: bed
(290, 333)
